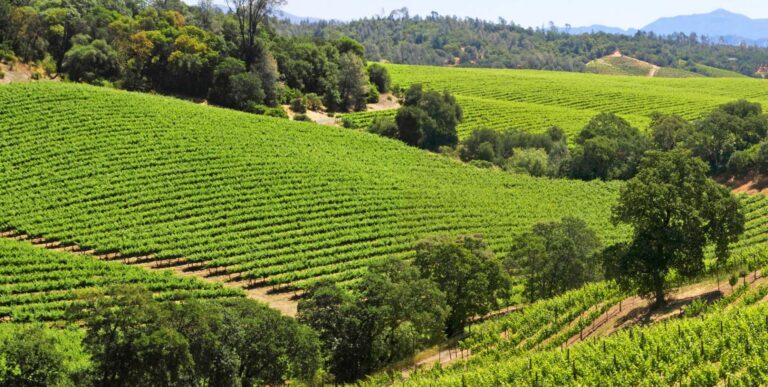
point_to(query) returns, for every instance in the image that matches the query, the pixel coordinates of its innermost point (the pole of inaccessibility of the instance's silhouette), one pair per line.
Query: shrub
(761, 157)
(533, 161)
(482, 164)
(348, 123)
(49, 66)
(379, 77)
(2, 74)
(267, 111)
(741, 162)
(384, 126)
(373, 94)
(285, 94)
(36, 76)
(298, 105)
(313, 102)
(8, 56)
(302, 117)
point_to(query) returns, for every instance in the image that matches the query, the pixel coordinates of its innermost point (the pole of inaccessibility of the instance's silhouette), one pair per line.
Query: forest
(449, 40)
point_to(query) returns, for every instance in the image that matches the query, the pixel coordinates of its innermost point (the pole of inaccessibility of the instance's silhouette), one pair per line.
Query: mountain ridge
(721, 26)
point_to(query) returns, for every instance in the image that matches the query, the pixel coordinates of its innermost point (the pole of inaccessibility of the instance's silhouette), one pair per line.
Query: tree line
(233, 59)
(731, 139)
(131, 339)
(449, 40)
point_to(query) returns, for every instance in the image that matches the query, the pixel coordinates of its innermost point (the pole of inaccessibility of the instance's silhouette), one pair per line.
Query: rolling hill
(535, 100)
(618, 64)
(263, 201)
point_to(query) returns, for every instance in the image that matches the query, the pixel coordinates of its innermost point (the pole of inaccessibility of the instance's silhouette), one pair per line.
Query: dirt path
(387, 101)
(750, 185)
(281, 301)
(451, 353)
(637, 311)
(628, 312)
(21, 73)
(654, 70)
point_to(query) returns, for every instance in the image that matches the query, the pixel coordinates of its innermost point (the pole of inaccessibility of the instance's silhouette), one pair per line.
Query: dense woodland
(233, 59)
(449, 40)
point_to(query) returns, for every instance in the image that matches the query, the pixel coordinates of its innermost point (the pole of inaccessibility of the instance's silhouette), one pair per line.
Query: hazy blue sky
(619, 13)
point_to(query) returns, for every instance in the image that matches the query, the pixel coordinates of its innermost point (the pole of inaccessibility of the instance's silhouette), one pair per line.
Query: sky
(616, 13)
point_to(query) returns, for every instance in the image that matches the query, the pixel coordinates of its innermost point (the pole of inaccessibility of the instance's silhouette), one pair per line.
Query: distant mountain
(720, 25)
(282, 15)
(601, 28)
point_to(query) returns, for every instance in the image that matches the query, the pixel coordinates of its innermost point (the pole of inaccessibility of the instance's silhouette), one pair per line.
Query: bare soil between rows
(285, 302)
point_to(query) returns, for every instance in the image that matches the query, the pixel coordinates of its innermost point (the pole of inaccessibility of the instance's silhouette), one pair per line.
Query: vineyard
(725, 345)
(261, 201)
(39, 285)
(536, 100)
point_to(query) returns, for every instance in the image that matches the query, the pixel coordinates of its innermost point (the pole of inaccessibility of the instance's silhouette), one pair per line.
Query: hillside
(39, 285)
(265, 200)
(618, 64)
(535, 100)
(722, 347)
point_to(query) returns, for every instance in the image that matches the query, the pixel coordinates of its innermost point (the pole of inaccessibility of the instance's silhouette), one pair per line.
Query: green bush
(741, 162)
(384, 126)
(298, 105)
(379, 77)
(49, 66)
(2, 74)
(267, 111)
(348, 123)
(302, 117)
(373, 94)
(482, 164)
(313, 102)
(36, 76)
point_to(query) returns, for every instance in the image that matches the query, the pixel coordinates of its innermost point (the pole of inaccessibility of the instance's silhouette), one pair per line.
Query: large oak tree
(676, 211)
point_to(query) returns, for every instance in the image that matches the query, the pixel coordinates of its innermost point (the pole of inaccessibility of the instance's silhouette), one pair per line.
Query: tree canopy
(555, 257)
(607, 148)
(391, 314)
(467, 271)
(676, 211)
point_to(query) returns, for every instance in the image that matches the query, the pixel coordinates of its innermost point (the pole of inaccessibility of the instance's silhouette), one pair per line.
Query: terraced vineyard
(536, 100)
(726, 347)
(39, 285)
(268, 200)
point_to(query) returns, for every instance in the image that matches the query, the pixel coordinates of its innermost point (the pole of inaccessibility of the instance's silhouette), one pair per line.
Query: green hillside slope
(276, 201)
(535, 100)
(619, 65)
(38, 285)
(726, 346)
